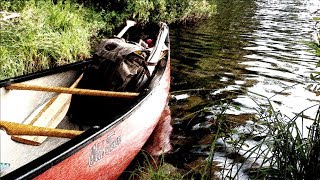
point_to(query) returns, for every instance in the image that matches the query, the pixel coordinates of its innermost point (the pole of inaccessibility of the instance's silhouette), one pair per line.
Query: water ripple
(262, 44)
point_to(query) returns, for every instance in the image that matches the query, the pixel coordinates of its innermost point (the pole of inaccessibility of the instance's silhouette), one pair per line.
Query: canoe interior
(21, 106)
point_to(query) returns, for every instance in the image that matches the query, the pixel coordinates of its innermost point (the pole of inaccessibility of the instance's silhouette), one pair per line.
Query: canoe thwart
(13, 128)
(78, 91)
(49, 115)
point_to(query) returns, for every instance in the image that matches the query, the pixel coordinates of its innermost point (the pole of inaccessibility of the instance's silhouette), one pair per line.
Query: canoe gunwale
(62, 152)
(63, 68)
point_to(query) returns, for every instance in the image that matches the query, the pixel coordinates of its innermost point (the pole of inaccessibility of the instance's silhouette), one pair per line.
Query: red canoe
(99, 152)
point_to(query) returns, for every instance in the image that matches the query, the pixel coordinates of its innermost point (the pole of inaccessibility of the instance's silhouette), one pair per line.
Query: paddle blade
(124, 30)
(131, 23)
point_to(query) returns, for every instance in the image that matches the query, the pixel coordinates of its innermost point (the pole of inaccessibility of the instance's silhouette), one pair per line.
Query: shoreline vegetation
(52, 33)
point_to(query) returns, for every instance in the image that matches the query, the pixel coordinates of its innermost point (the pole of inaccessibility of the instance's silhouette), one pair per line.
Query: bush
(154, 11)
(173, 11)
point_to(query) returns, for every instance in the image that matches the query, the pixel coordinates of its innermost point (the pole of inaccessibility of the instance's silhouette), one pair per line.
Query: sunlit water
(248, 52)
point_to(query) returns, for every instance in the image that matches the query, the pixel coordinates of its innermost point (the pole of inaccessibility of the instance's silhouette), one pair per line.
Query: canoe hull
(109, 155)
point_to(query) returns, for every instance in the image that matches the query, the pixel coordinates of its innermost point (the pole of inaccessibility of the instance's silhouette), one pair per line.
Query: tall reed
(286, 150)
(295, 153)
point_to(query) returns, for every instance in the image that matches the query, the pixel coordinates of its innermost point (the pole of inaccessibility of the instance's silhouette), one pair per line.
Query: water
(249, 51)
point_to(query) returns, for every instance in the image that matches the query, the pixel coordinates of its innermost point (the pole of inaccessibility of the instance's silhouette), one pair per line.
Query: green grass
(154, 168)
(45, 35)
(295, 155)
(292, 151)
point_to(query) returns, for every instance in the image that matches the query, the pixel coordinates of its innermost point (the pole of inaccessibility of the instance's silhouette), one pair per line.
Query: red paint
(118, 146)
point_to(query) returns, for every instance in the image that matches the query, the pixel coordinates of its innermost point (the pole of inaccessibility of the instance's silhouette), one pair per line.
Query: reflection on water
(280, 55)
(258, 46)
(248, 50)
(159, 141)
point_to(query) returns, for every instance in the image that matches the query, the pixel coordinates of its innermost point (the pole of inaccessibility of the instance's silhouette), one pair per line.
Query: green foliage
(52, 33)
(155, 168)
(45, 35)
(13, 5)
(169, 11)
(315, 87)
(293, 151)
(295, 155)
(153, 11)
(284, 148)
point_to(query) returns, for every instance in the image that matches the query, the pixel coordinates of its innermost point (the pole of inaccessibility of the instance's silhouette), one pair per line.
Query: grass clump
(152, 168)
(45, 35)
(316, 37)
(296, 154)
(287, 148)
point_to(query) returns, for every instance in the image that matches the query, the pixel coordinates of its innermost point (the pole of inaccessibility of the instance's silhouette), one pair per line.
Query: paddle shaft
(78, 91)
(13, 128)
(129, 24)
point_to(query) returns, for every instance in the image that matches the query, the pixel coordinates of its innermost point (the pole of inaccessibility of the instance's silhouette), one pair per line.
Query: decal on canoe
(103, 148)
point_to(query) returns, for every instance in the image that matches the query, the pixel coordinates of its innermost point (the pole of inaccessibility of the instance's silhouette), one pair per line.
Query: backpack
(117, 66)
(122, 65)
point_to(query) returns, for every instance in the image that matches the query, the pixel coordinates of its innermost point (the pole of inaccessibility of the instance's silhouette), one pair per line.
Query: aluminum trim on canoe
(63, 68)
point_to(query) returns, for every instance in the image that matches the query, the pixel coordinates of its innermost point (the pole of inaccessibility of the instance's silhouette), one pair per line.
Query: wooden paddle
(13, 128)
(129, 24)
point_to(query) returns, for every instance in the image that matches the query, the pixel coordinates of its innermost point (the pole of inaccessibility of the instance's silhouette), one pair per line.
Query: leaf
(315, 88)
(309, 87)
(316, 18)
(236, 107)
(312, 77)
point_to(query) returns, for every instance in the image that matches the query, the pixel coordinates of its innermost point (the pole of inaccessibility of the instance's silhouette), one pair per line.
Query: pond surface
(249, 51)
